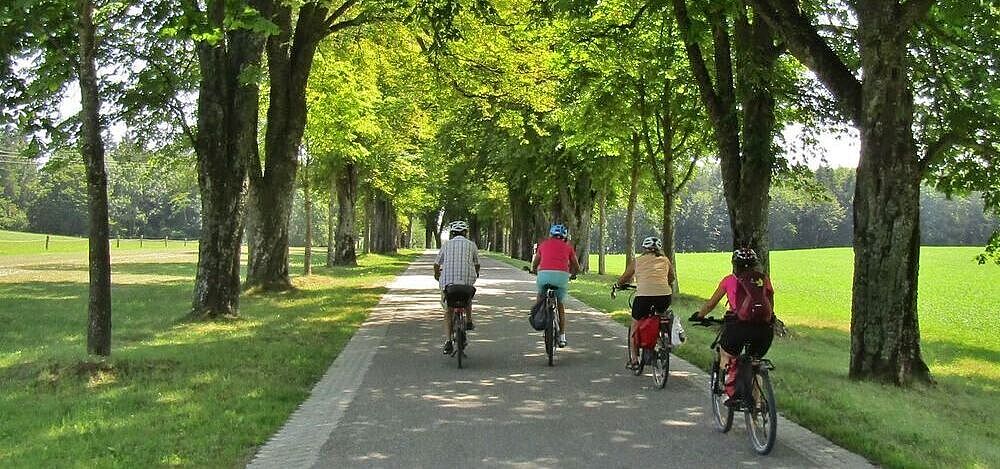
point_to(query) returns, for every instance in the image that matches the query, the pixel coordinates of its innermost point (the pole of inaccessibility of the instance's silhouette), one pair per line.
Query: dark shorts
(641, 305)
(458, 295)
(755, 337)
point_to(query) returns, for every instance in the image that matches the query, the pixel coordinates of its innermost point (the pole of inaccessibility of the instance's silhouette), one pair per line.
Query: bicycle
(659, 354)
(551, 307)
(759, 409)
(457, 301)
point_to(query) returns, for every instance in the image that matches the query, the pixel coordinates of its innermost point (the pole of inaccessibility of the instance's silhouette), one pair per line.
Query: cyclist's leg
(759, 340)
(730, 345)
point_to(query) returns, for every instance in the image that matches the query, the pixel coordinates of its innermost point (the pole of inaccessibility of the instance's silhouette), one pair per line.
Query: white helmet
(458, 225)
(652, 242)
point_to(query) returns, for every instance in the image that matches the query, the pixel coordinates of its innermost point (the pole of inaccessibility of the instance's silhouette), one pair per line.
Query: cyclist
(555, 262)
(736, 333)
(654, 276)
(456, 269)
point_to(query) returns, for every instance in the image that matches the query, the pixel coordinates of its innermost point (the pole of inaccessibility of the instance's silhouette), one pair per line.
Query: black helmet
(744, 258)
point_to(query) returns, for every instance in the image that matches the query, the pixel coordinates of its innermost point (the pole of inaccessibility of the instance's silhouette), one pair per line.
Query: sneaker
(469, 325)
(562, 340)
(449, 348)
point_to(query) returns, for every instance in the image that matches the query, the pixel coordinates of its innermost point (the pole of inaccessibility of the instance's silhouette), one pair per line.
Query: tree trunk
(384, 224)
(499, 244)
(523, 225)
(347, 234)
(746, 167)
(92, 148)
(669, 246)
(431, 233)
(369, 221)
(633, 193)
(226, 141)
(602, 226)
(885, 334)
(331, 220)
(307, 202)
(289, 60)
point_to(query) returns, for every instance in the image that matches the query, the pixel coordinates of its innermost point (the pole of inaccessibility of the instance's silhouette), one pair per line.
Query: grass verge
(945, 425)
(173, 394)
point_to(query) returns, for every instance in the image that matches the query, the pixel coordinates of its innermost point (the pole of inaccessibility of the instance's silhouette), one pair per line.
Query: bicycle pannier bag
(537, 316)
(754, 306)
(647, 330)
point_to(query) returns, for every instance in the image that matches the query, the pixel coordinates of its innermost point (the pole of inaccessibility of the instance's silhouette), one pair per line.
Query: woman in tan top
(654, 276)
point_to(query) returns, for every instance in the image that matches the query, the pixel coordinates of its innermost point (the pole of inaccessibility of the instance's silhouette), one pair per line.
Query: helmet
(457, 226)
(652, 242)
(558, 230)
(744, 257)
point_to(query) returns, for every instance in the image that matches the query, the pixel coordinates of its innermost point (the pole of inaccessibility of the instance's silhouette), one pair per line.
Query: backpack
(755, 306)
(647, 331)
(537, 316)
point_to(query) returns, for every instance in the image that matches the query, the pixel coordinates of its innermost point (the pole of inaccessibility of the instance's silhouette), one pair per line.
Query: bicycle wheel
(550, 332)
(722, 414)
(761, 414)
(460, 338)
(661, 363)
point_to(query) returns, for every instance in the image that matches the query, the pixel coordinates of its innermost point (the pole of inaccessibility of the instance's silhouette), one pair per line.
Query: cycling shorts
(556, 278)
(643, 306)
(755, 337)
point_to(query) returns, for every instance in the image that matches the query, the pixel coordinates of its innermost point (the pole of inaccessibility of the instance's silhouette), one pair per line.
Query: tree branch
(697, 60)
(936, 150)
(913, 12)
(805, 43)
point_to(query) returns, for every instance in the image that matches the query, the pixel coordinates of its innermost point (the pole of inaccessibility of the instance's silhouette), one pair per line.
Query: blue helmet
(558, 230)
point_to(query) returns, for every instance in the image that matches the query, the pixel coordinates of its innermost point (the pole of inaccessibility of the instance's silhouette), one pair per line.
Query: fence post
(46, 242)
(118, 240)
(165, 238)
(140, 240)
(185, 242)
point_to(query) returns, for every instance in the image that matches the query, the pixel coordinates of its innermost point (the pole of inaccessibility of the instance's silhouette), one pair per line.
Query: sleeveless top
(651, 275)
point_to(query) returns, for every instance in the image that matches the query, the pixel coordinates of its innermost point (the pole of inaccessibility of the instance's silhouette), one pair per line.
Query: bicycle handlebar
(615, 287)
(706, 321)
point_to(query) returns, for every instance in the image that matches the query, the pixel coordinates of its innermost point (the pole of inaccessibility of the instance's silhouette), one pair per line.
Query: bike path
(391, 399)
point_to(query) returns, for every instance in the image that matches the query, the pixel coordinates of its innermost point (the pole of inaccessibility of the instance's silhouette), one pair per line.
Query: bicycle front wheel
(762, 414)
(722, 414)
(661, 363)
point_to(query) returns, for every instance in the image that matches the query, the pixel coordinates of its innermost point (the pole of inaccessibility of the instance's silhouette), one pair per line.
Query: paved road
(393, 400)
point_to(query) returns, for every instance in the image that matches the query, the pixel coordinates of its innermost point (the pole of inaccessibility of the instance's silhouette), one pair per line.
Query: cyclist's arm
(628, 274)
(437, 271)
(712, 302)
(574, 264)
(537, 259)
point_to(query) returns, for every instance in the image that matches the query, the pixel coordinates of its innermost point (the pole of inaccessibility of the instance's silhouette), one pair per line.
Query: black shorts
(641, 305)
(458, 295)
(755, 337)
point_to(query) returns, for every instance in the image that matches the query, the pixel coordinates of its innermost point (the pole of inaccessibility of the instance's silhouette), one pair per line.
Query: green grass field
(173, 393)
(14, 242)
(950, 424)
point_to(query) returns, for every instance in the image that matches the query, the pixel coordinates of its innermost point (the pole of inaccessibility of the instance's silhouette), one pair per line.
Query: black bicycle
(759, 408)
(550, 305)
(659, 355)
(458, 299)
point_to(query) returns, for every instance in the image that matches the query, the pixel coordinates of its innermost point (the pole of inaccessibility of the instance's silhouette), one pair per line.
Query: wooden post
(165, 238)
(46, 242)
(140, 240)
(118, 240)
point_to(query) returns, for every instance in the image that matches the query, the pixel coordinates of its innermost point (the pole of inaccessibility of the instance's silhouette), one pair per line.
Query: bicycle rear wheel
(661, 363)
(550, 331)
(460, 337)
(722, 414)
(761, 414)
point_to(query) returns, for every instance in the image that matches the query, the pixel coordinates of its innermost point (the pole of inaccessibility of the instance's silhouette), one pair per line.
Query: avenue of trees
(386, 117)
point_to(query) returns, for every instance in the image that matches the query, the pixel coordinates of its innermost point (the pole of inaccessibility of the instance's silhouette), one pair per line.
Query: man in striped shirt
(457, 265)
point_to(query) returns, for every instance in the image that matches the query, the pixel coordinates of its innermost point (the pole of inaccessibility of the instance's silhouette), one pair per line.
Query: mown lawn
(173, 393)
(30, 244)
(950, 424)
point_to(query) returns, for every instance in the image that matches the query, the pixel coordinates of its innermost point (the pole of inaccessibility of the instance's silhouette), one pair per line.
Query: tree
(229, 53)
(885, 337)
(740, 104)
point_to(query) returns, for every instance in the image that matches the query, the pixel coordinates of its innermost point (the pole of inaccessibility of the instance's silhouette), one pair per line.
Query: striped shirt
(458, 259)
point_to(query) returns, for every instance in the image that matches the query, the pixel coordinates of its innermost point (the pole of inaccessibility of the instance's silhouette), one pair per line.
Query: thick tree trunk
(431, 232)
(633, 194)
(92, 148)
(384, 225)
(669, 246)
(347, 234)
(523, 225)
(885, 334)
(307, 203)
(499, 242)
(289, 60)
(575, 209)
(369, 221)
(226, 141)
(602, 226)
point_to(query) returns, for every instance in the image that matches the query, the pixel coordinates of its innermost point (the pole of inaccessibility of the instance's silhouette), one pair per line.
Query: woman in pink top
(555, 262)
(756, 337)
